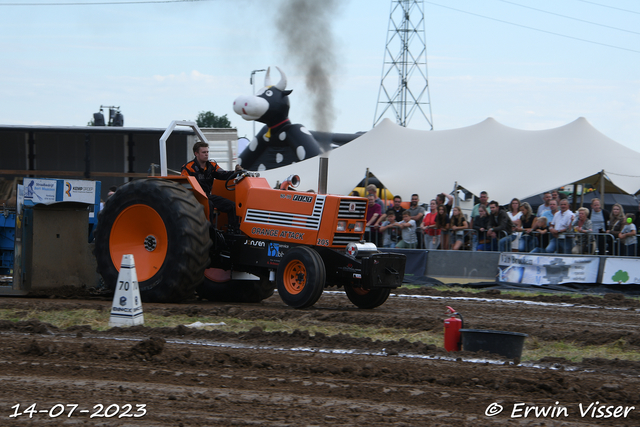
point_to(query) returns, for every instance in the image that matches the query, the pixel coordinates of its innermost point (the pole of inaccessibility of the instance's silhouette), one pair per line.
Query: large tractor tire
(251, 291)
(162, 224)
(367, 298)
(301, 277)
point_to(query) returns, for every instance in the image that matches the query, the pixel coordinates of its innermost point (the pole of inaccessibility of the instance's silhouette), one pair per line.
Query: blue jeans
(552, 246)
(483, 247)
(527, 243)
(561, 246)
(567, 246)
(502, 245)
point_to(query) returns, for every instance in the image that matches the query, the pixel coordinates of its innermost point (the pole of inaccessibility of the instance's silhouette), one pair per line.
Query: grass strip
(534, 349)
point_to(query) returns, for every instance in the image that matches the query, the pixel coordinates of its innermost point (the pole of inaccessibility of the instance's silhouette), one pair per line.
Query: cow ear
(287, 92)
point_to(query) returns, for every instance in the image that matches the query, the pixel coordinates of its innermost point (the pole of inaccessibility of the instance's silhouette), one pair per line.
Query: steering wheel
(229, 185)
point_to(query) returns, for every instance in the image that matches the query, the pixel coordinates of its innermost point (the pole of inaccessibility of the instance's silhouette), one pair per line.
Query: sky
(528, 64)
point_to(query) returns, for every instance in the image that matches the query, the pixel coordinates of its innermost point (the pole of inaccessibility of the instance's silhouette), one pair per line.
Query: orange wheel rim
(295, 277)
(139, 231)
(360, 291)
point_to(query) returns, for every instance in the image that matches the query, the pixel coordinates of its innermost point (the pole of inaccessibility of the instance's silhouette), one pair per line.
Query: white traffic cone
(126, 309)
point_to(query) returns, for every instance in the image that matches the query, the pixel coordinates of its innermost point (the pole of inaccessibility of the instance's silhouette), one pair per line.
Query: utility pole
(404, 86)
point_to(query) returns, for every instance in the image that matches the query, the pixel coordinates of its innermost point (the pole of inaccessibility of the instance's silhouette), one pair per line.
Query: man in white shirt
(561, 224)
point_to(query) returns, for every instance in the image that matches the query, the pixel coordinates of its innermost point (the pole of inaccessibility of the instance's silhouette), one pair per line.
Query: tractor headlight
(352, 249)
(359, 227)
(342, 225)
(359, 250)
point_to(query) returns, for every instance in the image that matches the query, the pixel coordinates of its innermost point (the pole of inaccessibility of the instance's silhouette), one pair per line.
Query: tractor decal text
(276, 233)
(264, 232)
(301, 198)
(291, 235)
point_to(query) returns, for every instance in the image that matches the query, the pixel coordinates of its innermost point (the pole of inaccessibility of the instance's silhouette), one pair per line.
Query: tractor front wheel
(367, 298)
(301, 277)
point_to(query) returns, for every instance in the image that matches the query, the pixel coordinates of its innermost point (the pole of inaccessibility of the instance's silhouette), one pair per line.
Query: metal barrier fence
(568, 243)
(578, 243)
(374, 235)
(623, 249)
(604, 244)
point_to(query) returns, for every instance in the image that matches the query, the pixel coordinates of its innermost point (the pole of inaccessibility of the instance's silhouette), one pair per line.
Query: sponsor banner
(79, 191)
(547, 269)
(40, 190)
(274, 250)
(275, 253)
(621, 271)
(47, 191)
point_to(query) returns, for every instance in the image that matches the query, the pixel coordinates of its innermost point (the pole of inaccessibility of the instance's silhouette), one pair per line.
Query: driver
(205, 171)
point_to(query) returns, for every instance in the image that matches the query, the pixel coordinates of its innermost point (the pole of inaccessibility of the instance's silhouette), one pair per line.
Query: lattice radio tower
(404, 87)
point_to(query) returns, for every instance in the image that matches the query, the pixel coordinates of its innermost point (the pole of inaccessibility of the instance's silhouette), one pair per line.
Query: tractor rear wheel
(301, 277)
(367, 298)
(164, 227)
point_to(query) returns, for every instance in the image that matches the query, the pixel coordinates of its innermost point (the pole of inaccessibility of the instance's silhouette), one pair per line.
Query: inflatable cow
(279, 142)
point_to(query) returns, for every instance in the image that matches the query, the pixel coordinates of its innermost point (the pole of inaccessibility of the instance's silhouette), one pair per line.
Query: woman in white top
(514, 215)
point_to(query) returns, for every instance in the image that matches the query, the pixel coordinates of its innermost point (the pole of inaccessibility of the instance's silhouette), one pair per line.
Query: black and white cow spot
(301, 152)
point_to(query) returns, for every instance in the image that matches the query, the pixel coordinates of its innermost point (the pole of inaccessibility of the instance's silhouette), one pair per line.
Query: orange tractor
(297, 242)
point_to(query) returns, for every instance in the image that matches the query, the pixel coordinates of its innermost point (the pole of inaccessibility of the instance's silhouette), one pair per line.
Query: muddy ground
(190, 377)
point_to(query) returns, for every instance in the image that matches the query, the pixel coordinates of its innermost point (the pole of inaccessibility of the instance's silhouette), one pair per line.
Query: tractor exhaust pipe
(324, 175)
(290, 183)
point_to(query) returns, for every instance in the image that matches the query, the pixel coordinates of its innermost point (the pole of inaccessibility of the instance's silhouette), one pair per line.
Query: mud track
(190, 377)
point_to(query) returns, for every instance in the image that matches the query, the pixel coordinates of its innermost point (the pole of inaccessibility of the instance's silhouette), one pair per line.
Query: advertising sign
(621, 271)
(79, 191)
(547, 269)
(40, 190)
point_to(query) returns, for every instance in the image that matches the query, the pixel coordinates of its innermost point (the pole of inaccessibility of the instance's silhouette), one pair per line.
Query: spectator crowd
(554, 228)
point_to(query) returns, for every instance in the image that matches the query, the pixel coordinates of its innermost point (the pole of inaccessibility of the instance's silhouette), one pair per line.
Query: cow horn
(282, 84)
(267, 78)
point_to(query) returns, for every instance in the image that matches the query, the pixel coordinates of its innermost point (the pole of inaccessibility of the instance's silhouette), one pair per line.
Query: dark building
(112, 155)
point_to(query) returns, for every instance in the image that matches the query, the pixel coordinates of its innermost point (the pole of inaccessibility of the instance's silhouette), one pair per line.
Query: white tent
(504, 161)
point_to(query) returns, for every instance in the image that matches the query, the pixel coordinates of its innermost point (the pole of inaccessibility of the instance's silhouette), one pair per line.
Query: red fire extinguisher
(452, 326)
